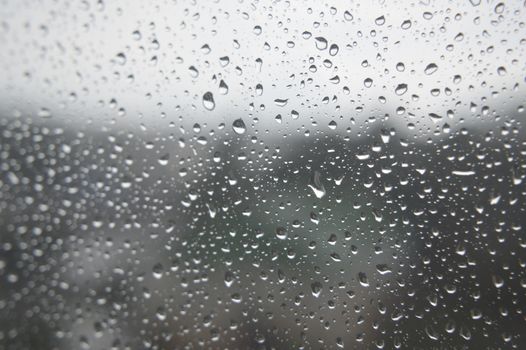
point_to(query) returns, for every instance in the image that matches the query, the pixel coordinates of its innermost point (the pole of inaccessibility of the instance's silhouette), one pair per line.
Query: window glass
(262, 174)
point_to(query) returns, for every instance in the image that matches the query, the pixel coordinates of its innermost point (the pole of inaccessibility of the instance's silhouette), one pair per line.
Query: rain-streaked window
(187, 174)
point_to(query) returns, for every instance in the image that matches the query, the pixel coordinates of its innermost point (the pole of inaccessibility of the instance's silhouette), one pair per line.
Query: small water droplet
(316, 288)
(223, 87)
(348, 16)
(281, 102)
(281, 233)
(163, 160)
(229, 279)
(259, 89)
(401, 89)
(362, 278)
(333, 50)
(321, 43)
(406, 24)
(158, 271)
(380, 20)
(499, 8)
(430, 69)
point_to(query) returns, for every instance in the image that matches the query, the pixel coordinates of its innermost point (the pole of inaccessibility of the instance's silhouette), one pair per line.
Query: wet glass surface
(262, 175)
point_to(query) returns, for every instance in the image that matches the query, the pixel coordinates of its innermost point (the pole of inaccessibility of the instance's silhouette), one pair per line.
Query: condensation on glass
(262, 174)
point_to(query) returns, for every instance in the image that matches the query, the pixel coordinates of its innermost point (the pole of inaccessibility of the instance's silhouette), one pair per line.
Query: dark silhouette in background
(107, 243)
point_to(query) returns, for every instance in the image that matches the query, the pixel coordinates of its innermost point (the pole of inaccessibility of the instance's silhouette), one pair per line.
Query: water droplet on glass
(163, 160)
(321, 43)
(383, 269)
(229, 279)
(362, 278)
(208, 101)
(316, 186)
(223, 87)
(406, 24)
(281, 233)
(348, 16)
(239, 126)
(401, 89)
(259, 89)
(430, 69)
(333, 50)
(380, 20)
(281, 102)
(316, 289)
(158, 271)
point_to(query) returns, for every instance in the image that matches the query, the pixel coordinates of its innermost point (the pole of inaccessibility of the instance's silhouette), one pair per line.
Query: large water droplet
(239, 126)
(208, 101)
(316, 185)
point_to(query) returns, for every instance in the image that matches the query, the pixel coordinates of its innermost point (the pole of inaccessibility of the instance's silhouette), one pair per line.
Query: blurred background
(262, 175)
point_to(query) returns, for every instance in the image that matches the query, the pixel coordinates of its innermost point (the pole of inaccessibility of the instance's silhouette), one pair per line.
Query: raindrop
(499, 8)
(259, 89)
(158, 271)
(383, 269)
(316, 289)
(333, 50)
(281, 102)
(193, 72)
(431, 332)
(223, 87)
(430, 69)
(163, 160)
(380, 20)
(224, 61)
(401, 89)
(362, 278)
(321, 43)
(239, 126)
(208, 101)
(316, 186)
(281, 233)
(236, 298)
(348, 16)
(406, 24)
(229, 279)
